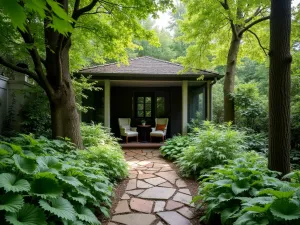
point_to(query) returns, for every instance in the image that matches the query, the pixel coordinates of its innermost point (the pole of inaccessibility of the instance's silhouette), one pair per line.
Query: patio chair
(160, 129)
(127, 131)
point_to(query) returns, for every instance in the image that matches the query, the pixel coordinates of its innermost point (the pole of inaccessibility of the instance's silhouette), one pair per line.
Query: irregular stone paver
(174, 218)
(186, 199)
(158, 193)
(155, 181)
(159, 206)
(134, 219)
(185, 191)
(166, 184)
(171, 176)
(145, 176)
(131, 184)
(135, 192)
(155, 194)
(141, 205)
(180, 183)
(122, 207)
(185, 211)
(142, 184)
(173, 205)
(125, 197)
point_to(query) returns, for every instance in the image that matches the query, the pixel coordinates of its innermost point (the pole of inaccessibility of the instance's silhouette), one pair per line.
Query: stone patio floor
(154, 195)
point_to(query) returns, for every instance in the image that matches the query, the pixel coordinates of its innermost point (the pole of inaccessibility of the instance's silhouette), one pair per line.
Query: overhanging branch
(252, 24)
(259, 42)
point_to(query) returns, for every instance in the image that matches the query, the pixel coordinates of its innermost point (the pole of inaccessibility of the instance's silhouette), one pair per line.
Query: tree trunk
(279, 86)
(229, 79)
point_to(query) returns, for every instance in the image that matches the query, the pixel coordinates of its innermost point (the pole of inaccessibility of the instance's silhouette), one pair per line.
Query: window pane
(140, 106)
(148, 107)
(140, 100)
(148, 113)
(140, 113)
(148, 100)
(160, 106)
(160, 100)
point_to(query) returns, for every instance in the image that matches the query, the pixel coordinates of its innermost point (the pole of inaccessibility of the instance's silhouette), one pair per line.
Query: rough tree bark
(279, 86)
(237, 34)
(229, 78)
(53, 75)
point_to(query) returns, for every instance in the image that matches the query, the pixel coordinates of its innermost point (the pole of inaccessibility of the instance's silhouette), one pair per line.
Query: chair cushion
(131, 133)
(157, 133)
(160, 127)
(126, 127)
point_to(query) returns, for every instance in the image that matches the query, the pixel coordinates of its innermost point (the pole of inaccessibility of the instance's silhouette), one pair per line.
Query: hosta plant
(174, 147)
(48, 182)
(245, 192)
(211, 146)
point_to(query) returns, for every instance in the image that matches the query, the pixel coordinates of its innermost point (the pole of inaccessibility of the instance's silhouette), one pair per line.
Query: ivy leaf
(86, 215)
(240, 186)
(28, 215)
(11, 202)
(25, 165)
(284, 209)
(60, 207)
(15, 12)
(46, 188)
(9, 182)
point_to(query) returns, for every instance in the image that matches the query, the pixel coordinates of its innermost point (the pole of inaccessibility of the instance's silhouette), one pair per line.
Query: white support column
(184, 106)
(107, 103)
(209, 101)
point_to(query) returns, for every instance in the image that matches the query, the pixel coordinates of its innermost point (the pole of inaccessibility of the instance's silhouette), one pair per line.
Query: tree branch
(19, 69)
(259, 42)
(28, 39)
(78, 12)
(232, 25)
(252, 24)
(257, 11)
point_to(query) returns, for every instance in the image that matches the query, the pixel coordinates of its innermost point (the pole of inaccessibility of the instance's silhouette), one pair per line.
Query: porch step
(141, 145)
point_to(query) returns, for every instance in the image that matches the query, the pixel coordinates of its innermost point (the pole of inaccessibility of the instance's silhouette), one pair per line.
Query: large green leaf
(25, 165)
(46, 188)
(49, 162)
(77, 198)
(86, 215)
(240, 186)
(85, 192)
(28, 215)
(277, 194)
(60, 207)
(15, 12)
(228, 212)
(70, 180)
(11, 202)
(285, 209)
(9, 182)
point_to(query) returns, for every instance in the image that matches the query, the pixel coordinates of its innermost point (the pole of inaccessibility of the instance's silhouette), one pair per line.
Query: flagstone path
(154, 195)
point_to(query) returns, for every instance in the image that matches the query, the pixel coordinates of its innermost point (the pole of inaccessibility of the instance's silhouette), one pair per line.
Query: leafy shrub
(295, 159)
(255, 141)
(103, 151)
(43, 181)
(173, 148)
(212, 145)
(245, 192)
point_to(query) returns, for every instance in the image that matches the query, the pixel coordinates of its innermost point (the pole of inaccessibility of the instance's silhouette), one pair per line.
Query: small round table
(143, 129)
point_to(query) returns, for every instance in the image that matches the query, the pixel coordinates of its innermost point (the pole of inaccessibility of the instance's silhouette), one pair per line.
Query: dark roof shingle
(144, 65)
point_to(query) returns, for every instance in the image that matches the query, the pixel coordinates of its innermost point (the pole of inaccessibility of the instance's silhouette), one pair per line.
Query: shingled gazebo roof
(144, 68)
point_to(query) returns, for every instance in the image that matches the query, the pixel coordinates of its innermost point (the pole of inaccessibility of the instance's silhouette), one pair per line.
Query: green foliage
(212, 145)
(244, 191)
(251, 107)
(255, 141)
(103, 151)
(173, 148)
(43, 181)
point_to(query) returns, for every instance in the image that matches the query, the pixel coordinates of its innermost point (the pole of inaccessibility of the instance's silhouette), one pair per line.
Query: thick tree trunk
(229, 79)
(279, 86)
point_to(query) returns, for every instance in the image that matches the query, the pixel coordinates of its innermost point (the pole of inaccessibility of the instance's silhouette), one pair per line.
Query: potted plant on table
(143, 122)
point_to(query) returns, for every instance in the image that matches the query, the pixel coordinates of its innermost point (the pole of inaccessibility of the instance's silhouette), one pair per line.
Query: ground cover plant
(212, 145)
(173, 147)
(244, 191)
(46, 181)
